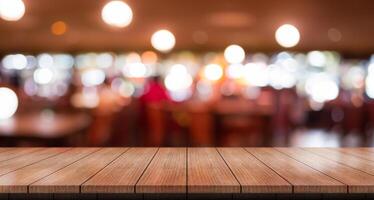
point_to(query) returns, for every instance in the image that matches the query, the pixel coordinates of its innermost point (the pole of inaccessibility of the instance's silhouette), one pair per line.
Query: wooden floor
(144, 171)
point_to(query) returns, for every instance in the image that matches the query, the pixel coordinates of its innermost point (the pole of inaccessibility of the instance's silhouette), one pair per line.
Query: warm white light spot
(163, 40)
(287, 36)
(45, 60)
(234, 71)
(104, 60)
(12, 10)
(93, 77)
(43, 76)
(213, 72)
(369, 86)
(234, 54)
(117, 13)
(135, 70)
(17, 61)
(280, 78)
(178, 78)
(317, 59)
(255, 74)
(8, 103)
(321, 88)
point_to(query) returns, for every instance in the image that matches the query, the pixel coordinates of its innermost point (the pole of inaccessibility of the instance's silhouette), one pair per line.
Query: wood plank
(18, 181)
(371, 149)
(345, 159)
(303, 178)
(16, 152)
(167, 172)
(2, 149)
(122, 174)
(359, 152)
(208, 172)
(357, 181)
(253, 175)
(31, 158)
(69, 179)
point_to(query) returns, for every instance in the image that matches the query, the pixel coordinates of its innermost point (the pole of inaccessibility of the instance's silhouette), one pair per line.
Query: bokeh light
(45, 60)
(58, 28)
(92, 77)
(8, 103)
(149, 57)
(234, 54)
(255, 74)
(135, 70)
(317, 59)
(12, 10)
(16, 61)
(117, 13)
(178, 78)
(234, 71)
(321, 88)
(287, 36)
(163, 40)
(213, 72)
(43, 76)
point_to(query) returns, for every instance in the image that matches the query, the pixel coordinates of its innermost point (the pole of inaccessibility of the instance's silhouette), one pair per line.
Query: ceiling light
(12, 10)
(287, 36)
(234, 54)
(163, 40)
(117, 13)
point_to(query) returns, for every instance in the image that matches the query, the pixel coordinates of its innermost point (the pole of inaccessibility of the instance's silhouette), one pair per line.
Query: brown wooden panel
(18, 181)
(10, 153)
(357, 181)
(368, 149)
(303, 178)
(122, 174)
(69, 179)
(345, 159)
(253, 175)
(359, 152)
(28, 159)
(208, 173)
(167, 173)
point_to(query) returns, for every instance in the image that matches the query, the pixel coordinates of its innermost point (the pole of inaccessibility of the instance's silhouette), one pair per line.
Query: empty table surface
(186, 170)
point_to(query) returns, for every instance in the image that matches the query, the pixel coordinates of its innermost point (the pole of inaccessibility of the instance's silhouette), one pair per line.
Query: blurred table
(49, 129)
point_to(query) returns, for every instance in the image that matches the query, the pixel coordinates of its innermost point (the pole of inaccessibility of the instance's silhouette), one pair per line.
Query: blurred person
(154, 91)
(151, 107)
(110, 104)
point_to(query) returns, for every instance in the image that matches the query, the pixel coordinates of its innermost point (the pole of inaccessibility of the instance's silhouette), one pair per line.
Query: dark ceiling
(197, 24)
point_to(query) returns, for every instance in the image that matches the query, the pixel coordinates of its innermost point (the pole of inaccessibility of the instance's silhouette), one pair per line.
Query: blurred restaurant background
(187, 73)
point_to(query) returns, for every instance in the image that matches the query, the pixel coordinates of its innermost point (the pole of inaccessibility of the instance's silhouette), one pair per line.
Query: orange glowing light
(59, 28)
(149, 57)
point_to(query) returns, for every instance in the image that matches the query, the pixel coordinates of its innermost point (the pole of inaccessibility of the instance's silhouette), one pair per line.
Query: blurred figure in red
(154, 92)
(152, 113)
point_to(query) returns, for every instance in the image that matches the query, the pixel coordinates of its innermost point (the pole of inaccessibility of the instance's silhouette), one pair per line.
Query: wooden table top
(186, 170)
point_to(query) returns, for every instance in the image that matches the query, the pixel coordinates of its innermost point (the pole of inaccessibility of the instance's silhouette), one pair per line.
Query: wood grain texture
(167, 173)
(357, 181)
(10, 153)
(345, 159)
(18, 181)
(122, 174)
(69, 179)
(253, 175)
(303, 178)
(28, 159)
(358, 152)
(208, 172)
